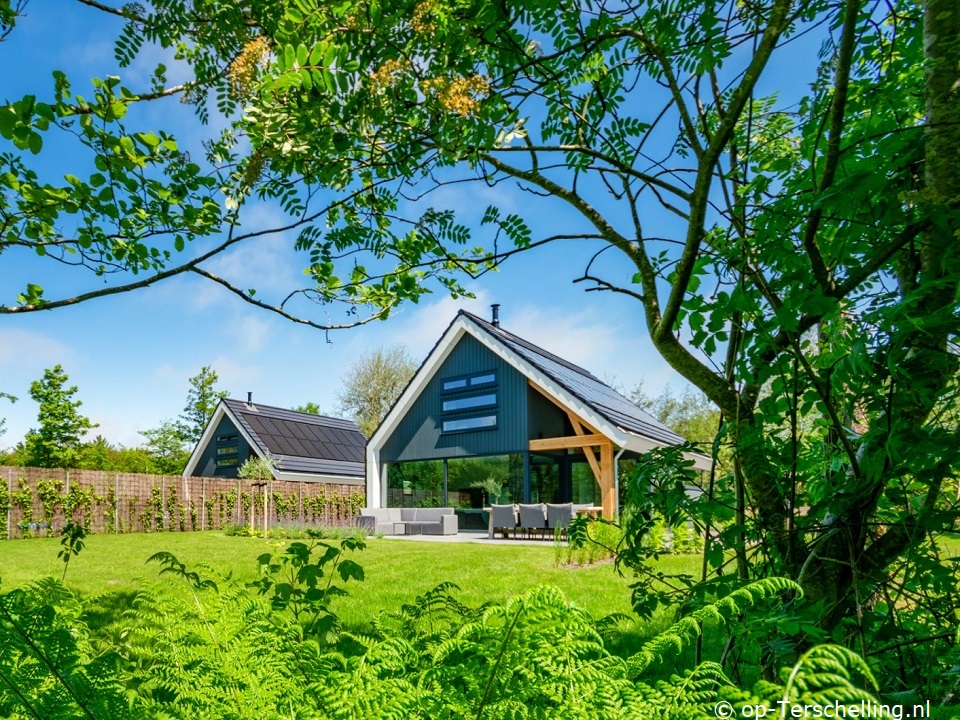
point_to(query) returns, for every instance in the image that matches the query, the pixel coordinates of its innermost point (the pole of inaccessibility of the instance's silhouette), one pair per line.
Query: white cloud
(235, 377)
(117, 429)
(419, 327)
(253, 333)
(231, 375)
(28, 349)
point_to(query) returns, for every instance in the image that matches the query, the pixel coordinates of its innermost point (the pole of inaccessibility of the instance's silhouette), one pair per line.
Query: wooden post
(300, 508)
(116, 501)
(203, 503)
(66, 484)
(266, 506)
(10, 506)
(607, 484)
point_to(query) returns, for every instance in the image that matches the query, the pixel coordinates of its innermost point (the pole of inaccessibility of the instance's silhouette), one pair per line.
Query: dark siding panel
(418, 435)
(207, 467)
(546, 419)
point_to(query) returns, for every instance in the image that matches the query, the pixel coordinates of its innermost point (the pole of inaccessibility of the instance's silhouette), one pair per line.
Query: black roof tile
(303, 442)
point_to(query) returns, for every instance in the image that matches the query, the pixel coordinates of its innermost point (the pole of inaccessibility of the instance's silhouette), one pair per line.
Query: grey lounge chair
(533, 517)
(559, 516)
(503, 517)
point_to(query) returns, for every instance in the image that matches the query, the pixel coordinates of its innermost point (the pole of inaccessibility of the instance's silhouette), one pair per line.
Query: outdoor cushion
(532, 516)
(382, 515)
(448, 525)
(504, 516)
(424, 514)
(379, 520)
(559, 515)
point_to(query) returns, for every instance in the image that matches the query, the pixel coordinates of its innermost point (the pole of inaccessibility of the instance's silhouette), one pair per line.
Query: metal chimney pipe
(496, 314)
(249, 398)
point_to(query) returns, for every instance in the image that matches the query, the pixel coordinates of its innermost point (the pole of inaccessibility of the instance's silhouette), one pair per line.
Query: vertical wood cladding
(207, 466)
(418, 436)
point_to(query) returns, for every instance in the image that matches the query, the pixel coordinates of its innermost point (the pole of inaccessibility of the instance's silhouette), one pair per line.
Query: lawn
(396, 571)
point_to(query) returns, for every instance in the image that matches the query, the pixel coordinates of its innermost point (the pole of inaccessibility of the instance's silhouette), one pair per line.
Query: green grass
(396, 571)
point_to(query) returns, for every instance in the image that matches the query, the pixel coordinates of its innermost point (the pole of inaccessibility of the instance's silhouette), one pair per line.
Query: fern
(202, 646)
(48, 668)
(688, 628)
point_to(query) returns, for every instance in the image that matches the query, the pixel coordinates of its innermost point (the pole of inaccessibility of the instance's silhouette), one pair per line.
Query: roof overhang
(319, 477)
(546, 385)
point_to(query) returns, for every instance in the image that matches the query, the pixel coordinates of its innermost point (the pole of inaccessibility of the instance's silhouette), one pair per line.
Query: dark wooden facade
(420, 435)
(225, 438)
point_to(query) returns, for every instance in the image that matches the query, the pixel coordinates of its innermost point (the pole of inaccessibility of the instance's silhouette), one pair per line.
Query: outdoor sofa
(409, 521)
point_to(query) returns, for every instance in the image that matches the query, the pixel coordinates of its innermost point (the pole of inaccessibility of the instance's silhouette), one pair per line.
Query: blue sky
(131, 355)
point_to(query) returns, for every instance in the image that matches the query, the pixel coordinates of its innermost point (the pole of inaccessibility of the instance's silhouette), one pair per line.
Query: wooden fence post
(203, 503)
(300, 510)
(10, 506)
(116, 503)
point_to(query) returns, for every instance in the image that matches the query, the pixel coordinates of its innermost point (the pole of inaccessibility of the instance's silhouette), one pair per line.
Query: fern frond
(685, 630)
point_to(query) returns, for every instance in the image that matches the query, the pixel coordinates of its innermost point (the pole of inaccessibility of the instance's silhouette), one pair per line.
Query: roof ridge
(305, 415)
(491, 328)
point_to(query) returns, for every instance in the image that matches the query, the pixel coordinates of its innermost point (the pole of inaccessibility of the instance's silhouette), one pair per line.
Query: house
(490, 417)
(303, 446)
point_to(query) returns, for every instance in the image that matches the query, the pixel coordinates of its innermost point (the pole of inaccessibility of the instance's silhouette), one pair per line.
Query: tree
(793, 253)
(57, 442)
(202, 400)
(794, 259)
(373, 384)
(165, 446)
(314, 409)
(3, 421)
(690, 413)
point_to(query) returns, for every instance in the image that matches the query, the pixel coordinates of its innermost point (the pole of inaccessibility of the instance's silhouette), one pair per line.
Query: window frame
(468, 385)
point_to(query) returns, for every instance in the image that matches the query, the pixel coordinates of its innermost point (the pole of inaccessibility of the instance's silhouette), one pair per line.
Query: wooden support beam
(587, 451)
(608, 487)
(587, 437)
(563, 443)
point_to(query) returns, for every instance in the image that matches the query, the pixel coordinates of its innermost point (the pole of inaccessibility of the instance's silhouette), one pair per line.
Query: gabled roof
(299, 443)
(606, 401)
(570, 386)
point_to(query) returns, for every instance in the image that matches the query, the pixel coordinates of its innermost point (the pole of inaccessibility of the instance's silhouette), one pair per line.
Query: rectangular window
(478, 482)
(468, 382)
(227, 462)
(473, 423)
(226, 438)
(227, 450)
(415, 484)
(469, 403)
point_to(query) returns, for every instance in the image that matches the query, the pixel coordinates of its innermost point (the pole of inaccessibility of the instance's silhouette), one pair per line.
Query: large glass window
(415, 484)
(481, 481)
(545, 478)
(584, 487)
